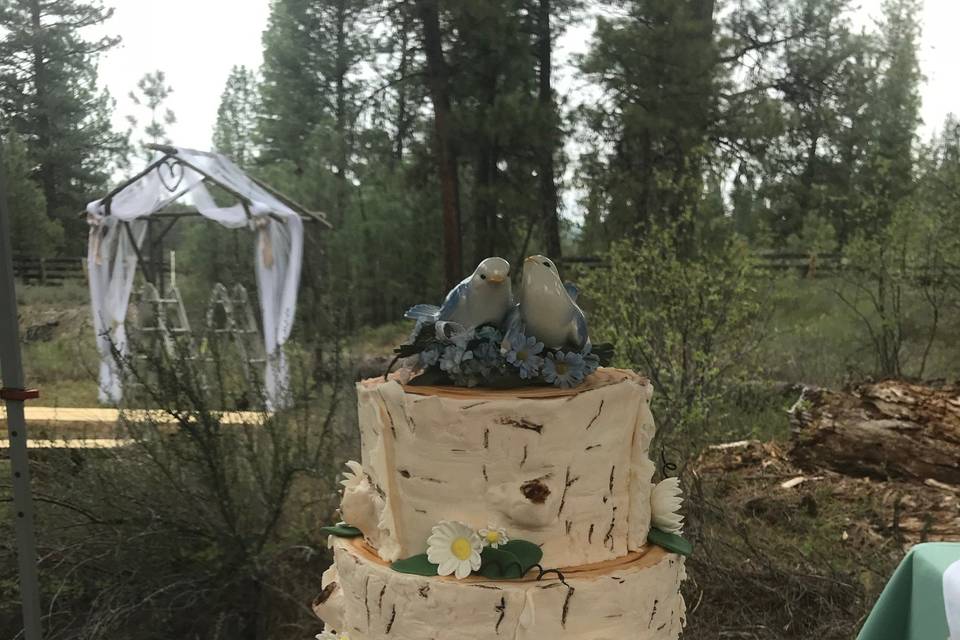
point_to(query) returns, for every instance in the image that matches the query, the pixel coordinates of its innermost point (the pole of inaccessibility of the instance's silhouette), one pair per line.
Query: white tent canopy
(118, 224)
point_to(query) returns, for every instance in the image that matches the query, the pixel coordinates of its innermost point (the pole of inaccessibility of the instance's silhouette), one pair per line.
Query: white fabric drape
(112, 256)
(951, 598)
(111, 265)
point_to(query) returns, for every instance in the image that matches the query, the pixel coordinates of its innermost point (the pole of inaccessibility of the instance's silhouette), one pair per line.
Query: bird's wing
(512, 324)
(453, 299)
(580, 326)
(423, 312)
(572, 290)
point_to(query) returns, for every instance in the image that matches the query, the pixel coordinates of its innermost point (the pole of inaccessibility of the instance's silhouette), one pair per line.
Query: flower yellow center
(461, 548)
(493, 537)
(562, 368)
(522, 354)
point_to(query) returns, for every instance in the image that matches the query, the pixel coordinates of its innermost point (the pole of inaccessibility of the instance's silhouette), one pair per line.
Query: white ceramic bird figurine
(484, 297)
(547, 309)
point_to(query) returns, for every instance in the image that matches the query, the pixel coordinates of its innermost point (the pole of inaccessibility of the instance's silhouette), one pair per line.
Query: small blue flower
(466, 379)
(453, 357)
(430, 356)
(564, 369)
(489, 334)
(484, 365)
(591, 361)
(488, 352)
(523, 355)
(463, 338)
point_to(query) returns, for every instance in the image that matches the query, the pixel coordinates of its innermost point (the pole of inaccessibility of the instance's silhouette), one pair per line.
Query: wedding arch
(119, 223)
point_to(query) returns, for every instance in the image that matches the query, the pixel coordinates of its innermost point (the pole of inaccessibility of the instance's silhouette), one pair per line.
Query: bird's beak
(496, 279)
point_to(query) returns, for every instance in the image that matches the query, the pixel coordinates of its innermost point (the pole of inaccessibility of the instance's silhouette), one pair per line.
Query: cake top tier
(601, 378)
(566, 469)
(483, 335)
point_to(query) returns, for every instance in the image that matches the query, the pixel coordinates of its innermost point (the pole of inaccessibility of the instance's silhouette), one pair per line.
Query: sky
(196, 42)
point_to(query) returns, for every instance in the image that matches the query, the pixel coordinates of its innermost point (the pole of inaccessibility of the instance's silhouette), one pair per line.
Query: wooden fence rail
(48, 271)
(763, 260)
(55, 271)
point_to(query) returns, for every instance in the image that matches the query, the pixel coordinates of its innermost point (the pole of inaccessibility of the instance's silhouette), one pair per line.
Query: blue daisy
(591, 361)
(489, 334)
(430, 356)
(453, 357)
(523, 354)
(486, 356)
(462, 339)
(564, 369)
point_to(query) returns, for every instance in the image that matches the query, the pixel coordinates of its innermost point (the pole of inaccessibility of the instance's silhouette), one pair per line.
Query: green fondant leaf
(526, 552)
(417, 565)
(342, 530)
(670, 542)
(498, 564)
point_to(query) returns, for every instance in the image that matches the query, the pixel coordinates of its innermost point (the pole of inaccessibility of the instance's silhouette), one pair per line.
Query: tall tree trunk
(484, 202)
(403, 119)
(690, 157)
(549, 205)
(341, 116)
(46, 170)
(446, 153)
(703, 11)
(808, 177)
(485, 167)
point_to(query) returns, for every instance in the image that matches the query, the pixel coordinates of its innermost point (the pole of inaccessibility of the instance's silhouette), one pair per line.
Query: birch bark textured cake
(494, 502)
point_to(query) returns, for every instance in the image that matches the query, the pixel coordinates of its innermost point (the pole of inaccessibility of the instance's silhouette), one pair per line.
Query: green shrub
(686, 322)
(197, 528)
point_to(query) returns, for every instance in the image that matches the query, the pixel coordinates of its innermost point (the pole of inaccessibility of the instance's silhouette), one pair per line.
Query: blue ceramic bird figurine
(484, 297)
(547, 308)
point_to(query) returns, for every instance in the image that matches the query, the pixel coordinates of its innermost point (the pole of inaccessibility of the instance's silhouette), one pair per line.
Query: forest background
(742, 194)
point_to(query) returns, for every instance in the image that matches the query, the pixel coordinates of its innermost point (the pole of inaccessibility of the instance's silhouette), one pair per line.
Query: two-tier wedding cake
(492, 502)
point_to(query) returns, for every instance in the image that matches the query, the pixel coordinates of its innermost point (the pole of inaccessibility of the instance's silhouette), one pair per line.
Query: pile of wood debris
(892, 445)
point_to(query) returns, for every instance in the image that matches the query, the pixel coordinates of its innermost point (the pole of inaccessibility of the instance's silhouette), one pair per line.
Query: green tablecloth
(923, 591)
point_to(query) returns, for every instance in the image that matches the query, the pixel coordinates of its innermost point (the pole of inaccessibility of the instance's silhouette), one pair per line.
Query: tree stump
(887, 430)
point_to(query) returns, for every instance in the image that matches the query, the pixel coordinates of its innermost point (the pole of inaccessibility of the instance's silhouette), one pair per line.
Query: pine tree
(495, 108)
(809, 168)
(151, 94)
(550, 138)
(48, 96)
(658, 67)
(237, 114)
(501, 119)
(309, 94)
(881, 254)
(893, 114)
(34, 234)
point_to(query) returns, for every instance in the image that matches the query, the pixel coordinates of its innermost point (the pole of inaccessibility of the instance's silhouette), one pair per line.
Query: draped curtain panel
(117, 229)
(951, 598)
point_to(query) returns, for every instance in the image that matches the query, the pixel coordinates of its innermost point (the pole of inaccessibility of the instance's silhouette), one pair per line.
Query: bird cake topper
(482, 336)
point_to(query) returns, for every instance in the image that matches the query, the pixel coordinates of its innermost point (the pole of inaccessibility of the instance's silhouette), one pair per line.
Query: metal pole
(14, 394)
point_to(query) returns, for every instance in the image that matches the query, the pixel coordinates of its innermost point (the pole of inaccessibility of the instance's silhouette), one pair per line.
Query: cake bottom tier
(636, 597)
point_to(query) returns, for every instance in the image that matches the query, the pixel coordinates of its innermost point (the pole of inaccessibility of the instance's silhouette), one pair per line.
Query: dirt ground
(790, 552)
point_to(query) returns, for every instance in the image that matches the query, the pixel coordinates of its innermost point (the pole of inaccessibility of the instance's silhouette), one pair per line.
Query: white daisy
(494, 536)
(332, 635)
(455, 547)
(354, 476)
(665, 505)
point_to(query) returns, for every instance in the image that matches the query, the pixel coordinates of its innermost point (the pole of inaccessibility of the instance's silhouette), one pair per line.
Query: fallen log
(886, 430)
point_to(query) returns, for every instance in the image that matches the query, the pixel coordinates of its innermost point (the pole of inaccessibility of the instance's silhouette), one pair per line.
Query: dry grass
(802, 560)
